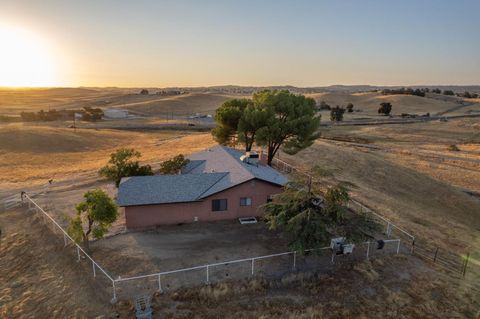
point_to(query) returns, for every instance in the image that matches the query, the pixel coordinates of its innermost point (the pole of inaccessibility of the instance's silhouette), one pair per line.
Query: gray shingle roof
(208, 172)
(163, 189)
(224, 159)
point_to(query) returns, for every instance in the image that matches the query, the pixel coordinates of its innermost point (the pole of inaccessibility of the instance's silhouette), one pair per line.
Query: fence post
(253, 265)
(435, 257)
(465, 265)
(78, 254)
(64, 240)
(294, 260)
(93, 267)
(160, 283)
(368, 248)
(388, 231)
(208, 275)
(398, 247)
(413, 246)
(333, 257)
(114, 299)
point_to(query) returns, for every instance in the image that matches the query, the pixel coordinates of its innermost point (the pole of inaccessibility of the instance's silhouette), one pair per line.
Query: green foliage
(312, 219)
(271, 118)
(336, 114)
(385, 108)
(95, 215)
(448, 92)
(228, 117)
(121, 164)
(144, 92)
(437, 91)
(292, 122)
(349, 107)
(174, 165)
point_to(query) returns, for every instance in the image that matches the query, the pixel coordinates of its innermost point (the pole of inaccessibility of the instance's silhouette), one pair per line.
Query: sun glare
(25, 60)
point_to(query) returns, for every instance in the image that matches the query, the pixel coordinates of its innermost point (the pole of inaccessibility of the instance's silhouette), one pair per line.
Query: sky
(269, 42)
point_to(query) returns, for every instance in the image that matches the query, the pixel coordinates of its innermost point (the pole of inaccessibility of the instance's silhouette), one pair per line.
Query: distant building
(217, 184)
(115, 113)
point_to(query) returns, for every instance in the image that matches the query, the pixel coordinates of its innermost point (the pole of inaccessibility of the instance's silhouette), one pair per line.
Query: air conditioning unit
(340, 247)
(347, 248)
(336, 244)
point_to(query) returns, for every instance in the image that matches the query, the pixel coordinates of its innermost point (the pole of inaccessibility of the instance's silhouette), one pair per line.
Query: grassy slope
(422, 204)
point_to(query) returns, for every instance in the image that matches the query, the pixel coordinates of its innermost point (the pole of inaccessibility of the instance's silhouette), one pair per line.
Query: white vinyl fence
(67, 240)
(267, 266)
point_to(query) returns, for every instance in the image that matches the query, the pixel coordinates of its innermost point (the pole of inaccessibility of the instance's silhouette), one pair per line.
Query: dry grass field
(409, 173)
(31, 155)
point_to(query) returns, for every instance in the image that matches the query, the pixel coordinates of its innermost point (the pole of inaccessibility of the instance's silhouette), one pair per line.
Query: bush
(349, 107)
(323, 106)
(448, 92)
(385, 108)
(453, 148)
(336, 114)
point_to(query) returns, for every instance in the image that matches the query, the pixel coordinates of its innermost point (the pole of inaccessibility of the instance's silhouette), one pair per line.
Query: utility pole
(74, 126)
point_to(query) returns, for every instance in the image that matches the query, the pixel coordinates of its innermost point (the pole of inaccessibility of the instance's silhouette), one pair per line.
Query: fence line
(206, 267)
(67, 236)
(450, 261)
(288, 168)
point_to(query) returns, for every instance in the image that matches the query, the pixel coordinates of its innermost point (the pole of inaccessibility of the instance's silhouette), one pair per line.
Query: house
(217, 184)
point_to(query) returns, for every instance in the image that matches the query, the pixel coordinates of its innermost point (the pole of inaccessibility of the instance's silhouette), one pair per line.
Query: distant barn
(115, 113)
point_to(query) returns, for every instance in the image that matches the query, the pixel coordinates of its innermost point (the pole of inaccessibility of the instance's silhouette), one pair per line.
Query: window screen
(219, 205)
(245, 201)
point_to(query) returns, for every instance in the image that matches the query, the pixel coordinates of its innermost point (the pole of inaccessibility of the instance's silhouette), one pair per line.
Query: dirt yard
(39, 276)
(181, 246)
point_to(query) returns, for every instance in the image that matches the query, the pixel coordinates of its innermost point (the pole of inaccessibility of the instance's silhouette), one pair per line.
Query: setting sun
(25, 60)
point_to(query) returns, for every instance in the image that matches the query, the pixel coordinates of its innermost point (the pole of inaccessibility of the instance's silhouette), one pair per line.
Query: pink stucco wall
(152, 215)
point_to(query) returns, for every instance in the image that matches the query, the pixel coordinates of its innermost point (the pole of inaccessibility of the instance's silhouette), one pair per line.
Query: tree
(227, 117)
(144, 92)
(122, 165)
(349, 107)
(174, 165)
(385, 108)
(312, 219)
(323, 106)
(448, 92)
(291, 122)
(95, 215)
(336, 114)
(254, 117)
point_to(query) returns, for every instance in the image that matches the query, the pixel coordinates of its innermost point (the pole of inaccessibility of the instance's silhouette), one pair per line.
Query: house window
(245, 201)
(219, 205)
(269, 198)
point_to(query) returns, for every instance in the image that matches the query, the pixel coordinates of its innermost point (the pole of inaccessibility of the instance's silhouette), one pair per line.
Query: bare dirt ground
(188, 245)
(42, 279)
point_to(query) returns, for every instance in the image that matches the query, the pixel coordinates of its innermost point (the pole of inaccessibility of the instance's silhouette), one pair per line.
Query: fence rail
(447, 260)
(32, 205)
(267, 265)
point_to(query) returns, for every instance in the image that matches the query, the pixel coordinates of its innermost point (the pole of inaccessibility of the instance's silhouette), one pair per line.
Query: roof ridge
(218, 180)
(237, 160)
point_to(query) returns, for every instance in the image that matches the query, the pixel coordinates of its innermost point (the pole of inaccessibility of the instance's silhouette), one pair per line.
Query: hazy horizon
(217, 43)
